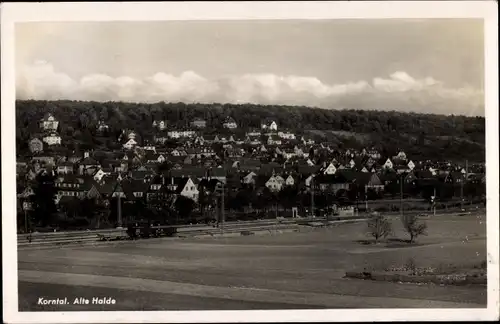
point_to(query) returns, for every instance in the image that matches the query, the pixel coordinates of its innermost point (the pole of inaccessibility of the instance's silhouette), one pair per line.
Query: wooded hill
(436, 137)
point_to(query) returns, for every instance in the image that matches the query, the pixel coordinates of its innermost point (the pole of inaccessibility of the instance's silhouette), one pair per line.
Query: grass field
(289, 270)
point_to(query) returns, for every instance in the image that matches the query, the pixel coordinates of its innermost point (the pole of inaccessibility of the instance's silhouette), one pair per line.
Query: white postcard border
(13, 12)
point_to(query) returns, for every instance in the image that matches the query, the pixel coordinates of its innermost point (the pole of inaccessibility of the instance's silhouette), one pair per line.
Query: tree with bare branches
(379, 226)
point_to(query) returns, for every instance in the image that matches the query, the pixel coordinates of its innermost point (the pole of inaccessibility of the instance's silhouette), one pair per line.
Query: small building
(230, 123)
(160, 124)
(102, 126)
(52, 139)
(198, 123)
(49, 123)
(269, 125)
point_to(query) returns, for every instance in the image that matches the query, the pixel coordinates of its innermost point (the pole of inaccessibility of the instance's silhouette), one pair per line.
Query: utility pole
(119, 212)
(222, 209)
(366, 201)
(401, 195)
(434, 202)
(312, 196)
(26, 220)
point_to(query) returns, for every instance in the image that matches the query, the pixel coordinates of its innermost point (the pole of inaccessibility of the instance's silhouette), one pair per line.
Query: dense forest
(428, 136)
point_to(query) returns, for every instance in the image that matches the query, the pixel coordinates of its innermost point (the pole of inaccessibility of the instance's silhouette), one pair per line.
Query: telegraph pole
(222, 209)
(119, 212)
(434, 202)
(401, 195)
(312, 196)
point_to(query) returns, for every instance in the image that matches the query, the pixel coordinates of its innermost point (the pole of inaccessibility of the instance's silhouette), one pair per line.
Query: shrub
(379, 226)
(414, 226)
(410, 265)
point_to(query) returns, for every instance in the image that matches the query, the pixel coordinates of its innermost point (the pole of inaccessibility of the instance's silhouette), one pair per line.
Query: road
(290, 270)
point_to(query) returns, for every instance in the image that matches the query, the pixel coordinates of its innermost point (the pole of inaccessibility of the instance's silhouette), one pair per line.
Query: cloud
(399, 91)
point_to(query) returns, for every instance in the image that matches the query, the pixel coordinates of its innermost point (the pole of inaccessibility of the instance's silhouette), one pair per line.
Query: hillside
(423, 135)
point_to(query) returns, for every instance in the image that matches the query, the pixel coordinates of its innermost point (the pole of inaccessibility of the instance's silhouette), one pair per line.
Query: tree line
(436, 136)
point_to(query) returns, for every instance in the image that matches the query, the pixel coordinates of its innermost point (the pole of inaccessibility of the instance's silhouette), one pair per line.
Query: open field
(290, 270)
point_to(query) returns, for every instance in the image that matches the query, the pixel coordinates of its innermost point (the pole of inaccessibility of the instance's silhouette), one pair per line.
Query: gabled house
(130, 144)
(49, 123)
(230, 123)
(88, 165)
(269, 125)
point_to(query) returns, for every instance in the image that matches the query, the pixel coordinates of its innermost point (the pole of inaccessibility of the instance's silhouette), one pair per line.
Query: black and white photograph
(295, 161)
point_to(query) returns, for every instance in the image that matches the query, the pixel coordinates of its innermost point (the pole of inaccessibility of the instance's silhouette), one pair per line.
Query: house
(401, 156)
(249, 178)
(254, 133)
(269, 125)
(290, 181)
(65, 168)
(161, 124)
(181, 133)
(35, 145)
(44, 160)
(49, 123)
(99, 174)
(307, 140)
(328, 169)
(287, 135)
(52, 139)
(253, 140)
(130, 144)
(229, 123)
(69, 186)
(274, 140)
(388, 164)
(101, 126)
(198, 123)
(275, 183)
(187, 187)
(88, 165)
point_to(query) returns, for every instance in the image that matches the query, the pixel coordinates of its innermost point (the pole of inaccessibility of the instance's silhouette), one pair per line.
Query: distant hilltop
(437, 135)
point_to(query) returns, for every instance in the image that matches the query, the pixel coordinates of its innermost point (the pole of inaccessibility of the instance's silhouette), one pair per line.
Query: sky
(434, 66)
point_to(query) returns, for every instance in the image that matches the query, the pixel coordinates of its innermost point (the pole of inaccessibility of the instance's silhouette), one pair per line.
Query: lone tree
(414, 226)
(379, 226)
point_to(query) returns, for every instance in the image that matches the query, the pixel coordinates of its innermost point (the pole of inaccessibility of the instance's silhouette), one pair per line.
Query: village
(269, 169)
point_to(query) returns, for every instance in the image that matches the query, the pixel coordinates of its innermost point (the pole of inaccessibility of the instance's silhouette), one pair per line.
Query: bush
(414, 226)
(379, 226)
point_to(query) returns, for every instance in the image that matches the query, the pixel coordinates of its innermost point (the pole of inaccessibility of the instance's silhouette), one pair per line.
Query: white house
(187, 188)
(388, 164)
(131, 143)
(275, 183)
(330, 169)
(52, 139)
(230, 123)
(181, 133)
(290, 181)
(161, 125)
(287, 135)
(272, 126)
(99, 175)
(401, 156)
(101, 126)
(49, 123)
